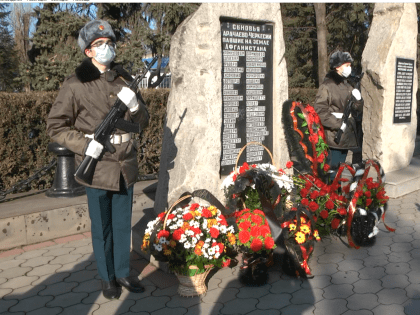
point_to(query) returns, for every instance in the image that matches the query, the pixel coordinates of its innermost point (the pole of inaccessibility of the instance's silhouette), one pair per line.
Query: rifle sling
(127, 126)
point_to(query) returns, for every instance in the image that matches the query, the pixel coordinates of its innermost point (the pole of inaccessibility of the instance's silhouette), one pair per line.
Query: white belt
(116, 139)
(338, 115)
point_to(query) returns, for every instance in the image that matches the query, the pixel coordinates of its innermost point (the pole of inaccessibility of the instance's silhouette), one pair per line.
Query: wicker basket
(193, 285)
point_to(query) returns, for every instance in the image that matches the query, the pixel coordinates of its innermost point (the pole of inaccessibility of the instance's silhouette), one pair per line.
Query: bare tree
(321, 25)
(21, 17)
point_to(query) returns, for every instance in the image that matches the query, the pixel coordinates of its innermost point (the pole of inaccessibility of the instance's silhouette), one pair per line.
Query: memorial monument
(229, 81)
(390, 84)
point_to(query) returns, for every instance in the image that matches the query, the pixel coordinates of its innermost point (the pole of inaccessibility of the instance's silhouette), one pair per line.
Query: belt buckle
(117, 139)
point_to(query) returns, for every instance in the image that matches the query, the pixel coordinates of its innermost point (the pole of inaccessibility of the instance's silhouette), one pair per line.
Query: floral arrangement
(254, 235)
(194, 235)
(372, 195)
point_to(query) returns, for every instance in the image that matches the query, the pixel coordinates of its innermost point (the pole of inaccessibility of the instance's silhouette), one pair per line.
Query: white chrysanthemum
(193, 241)
(189, 233)
(216, 248)
(205, 255)
(217, 255)
(208, 240)
(179, 223)
(211, 251)
(175, 219)
(162, 240)
(158, 247)
(187, 245)
(168, 221)
(183, 238)
(223, 229)
(231, 229)
(206, 245)
(173, 227)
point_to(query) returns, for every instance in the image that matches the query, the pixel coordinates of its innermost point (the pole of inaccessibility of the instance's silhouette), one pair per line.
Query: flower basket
(193, 238)
(193, 285)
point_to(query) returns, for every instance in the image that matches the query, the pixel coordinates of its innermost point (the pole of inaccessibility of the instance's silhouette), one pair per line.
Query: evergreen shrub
(24, 140)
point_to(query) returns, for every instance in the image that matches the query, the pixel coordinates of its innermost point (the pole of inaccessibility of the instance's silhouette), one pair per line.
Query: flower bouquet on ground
(300, 235)
(254, 240)
(192, 239)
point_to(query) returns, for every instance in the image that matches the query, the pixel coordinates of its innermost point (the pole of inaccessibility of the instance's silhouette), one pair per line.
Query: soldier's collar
(87, 72)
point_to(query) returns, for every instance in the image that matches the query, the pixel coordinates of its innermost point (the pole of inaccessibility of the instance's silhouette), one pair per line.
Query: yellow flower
(146, 237)
(316, 235)
(303, 220)
(167, 252)
(231, 238)
(196, 213)
(211, 222)
(185, 226)
(292, 227)
(172, 243)
(304, 228)
(213, 210)
(300, 237)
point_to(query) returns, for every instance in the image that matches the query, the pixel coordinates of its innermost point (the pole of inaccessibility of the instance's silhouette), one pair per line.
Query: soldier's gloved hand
(94, 149)
(356, 94)
(129, 98)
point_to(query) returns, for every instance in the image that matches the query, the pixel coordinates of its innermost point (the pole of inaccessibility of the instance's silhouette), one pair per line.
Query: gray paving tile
(393, 309)
(82, 250)
(265, 312)
(285, 286)
(31, 304)
(46, 311)
(392, 296)
(115, 307)
(81, 276)
(383, 239)
(31, 254)
(97, 297)
(330, 258)
(80, 309)
(351, 264)
(231, 282)
(67, 299)
(401, 247)
(358, 312)
(273, 276)
(253, 292)
(6, 304)
(353, 253)
(51, 278)
(12, 263)
(3, 280)
(239, 306)
(379, 250)
(170, 291)
(89, 286)
(58, 288)
(330, 307)
(5, 291)
(181, 301)
(78, 243)
(395, 281)
(223, 273)
(324, 269)
(43, 270)
(65, 259)
(150, 304)
(302, 309)
(19, 282)
(414, 276)
(175, 311)
(338, 291)
(411, 307)
(205, 308)
(399, 257)
(24, 292)
(316, 282)
(413, 291)
(14, 272)
(404, 223)
(56, 251)
(397, 268)
(345, 277)
(376, 261)
(415, 243)
(371, 273)
(362, 301)
(367, 286)
(307, 296)
(36, 261)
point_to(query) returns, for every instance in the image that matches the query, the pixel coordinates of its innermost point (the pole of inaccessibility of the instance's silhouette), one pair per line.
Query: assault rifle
(348, 110)
(114, 119)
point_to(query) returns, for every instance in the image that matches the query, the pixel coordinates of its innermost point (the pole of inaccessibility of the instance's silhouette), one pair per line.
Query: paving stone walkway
(61, 278)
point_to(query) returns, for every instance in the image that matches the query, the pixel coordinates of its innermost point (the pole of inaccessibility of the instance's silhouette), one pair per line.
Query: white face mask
(346, 71)
(104, 54)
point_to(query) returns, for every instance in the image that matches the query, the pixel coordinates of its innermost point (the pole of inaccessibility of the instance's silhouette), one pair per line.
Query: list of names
(247, 79)
(403, 90)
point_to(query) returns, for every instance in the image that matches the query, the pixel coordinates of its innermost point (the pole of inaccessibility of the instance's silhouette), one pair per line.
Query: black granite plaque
(247, 92)
(404, 76)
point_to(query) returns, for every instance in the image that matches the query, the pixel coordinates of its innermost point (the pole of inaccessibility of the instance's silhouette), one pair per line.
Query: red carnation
(214, 232)
(324, 214)
(226, 263)
(329, 205)
(188, 216)
(304, 192)
(326, 167)
(342, 211)
(304, 201)
(289, 164)
(206, 213)
(313, 138)
(368, 202)
(194, 206)
(244, 225)
(256, 219)
(368, 194)
(244, 236)
(308, 185)
(334, 223)
(314, 194)
(264, 230)
(320, 158)
(163, 233)
(256, 245)
(269, 243)
(177, 234)
(221, 246)
(234, 177)
(313, 206)
(346, 189)
(258, 211)
(255, 231)
(161, 216)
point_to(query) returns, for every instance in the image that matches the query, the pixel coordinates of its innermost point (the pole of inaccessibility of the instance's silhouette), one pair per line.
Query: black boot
(131, 284)
(111, 290)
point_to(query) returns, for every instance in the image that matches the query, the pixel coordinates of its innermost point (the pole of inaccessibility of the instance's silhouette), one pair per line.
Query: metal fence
(165, 84)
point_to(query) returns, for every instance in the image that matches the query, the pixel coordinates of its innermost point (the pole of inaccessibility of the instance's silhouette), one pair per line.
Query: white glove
(129, 98)
(94, 149)
(356, 94)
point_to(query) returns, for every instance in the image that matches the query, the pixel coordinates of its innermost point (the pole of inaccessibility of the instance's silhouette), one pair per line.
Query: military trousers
(110, 215)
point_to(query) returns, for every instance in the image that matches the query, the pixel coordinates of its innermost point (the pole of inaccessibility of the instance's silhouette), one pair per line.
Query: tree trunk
(321, 33)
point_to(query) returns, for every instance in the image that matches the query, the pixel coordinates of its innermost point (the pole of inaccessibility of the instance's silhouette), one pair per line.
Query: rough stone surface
(191, 146)
(393, 34)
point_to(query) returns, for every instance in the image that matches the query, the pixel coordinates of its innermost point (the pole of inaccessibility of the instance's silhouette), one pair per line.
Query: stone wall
(393, 34)
(191, 148)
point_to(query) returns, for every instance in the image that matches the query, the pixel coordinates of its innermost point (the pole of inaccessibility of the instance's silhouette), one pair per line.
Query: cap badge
(101, 27)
